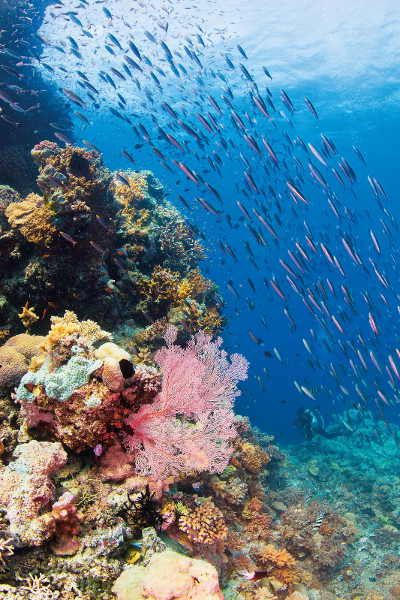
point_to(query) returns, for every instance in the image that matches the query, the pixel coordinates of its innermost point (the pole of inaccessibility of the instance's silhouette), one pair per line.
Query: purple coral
(190, 424)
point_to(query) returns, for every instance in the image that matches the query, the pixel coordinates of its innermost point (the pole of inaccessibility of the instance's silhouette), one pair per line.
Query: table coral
(169, 576)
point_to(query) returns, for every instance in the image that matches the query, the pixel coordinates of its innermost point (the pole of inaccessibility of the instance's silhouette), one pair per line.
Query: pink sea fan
(189, 426)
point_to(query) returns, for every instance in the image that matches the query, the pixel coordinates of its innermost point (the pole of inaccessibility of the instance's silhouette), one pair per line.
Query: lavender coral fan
(190, 424)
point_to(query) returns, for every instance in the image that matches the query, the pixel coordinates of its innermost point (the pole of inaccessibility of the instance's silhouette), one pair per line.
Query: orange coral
(269, 555)
(205, 524)
(193, 285)
(250, 456)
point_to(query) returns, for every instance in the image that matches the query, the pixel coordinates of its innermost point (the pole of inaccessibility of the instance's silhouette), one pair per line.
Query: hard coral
(134, 189)
(14, 357)
(204, 525)
(169, 576)
(32, 217)
(269, 555)
(76, 247)
(12, 366)
(26, 490)
(7, 196)
(67, 525)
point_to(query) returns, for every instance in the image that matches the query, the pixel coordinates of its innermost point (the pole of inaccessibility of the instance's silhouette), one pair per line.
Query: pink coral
(115, 464)
(67, 524)
(26, 490)
(190, 424)
(169, 576)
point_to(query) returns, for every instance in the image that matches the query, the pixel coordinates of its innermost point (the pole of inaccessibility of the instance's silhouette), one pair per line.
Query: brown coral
(204, 525)
(250, 456)
(126, 194)
(12, 366)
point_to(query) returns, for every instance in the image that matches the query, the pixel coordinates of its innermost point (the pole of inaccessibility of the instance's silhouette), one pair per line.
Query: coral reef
(26, 490)
(125, 472)
(109, 245)
(15, 355)
(95, 398)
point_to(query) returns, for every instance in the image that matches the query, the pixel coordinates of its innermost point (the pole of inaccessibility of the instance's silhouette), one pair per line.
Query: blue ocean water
(312, 347)
(300, 357)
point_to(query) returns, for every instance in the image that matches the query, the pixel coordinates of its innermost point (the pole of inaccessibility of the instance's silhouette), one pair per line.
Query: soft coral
(190, 424)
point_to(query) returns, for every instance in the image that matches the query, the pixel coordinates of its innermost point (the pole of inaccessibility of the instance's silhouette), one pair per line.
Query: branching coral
(204, 525)
(129, 187)
(269, 555)
(75, 247)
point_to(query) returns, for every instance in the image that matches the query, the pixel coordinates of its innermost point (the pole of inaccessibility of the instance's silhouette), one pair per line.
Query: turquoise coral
(61, 383)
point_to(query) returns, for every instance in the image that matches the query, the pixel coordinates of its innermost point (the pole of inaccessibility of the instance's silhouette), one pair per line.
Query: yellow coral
(32, 217)
(193, 285)
(160, 286)
(126, 194)
(69, 324)
(28, 316)
(79, 186)
(143, 356)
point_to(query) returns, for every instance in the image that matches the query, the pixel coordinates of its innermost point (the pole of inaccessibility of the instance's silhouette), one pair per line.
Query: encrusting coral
(26, 490)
